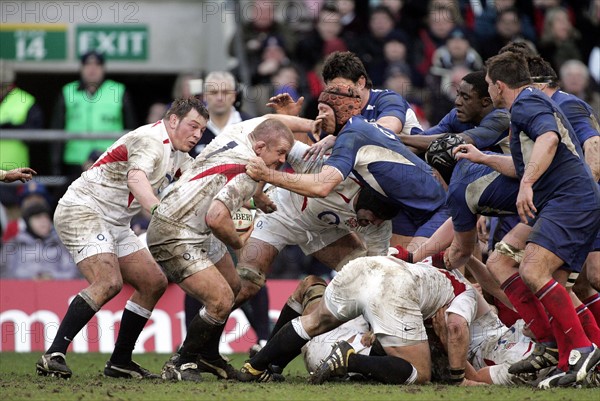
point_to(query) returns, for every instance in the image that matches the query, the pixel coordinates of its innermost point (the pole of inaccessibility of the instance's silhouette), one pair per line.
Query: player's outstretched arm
(317, 185)
(22, 174)
(295, 124)
(591, 150)
(285, 104)
(419, 142)
(459, 252)
(487, 281)
(501, 163)
(458, 344)
(392, 123)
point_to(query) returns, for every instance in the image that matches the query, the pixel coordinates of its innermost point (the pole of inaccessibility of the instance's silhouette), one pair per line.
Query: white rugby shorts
(86, 233)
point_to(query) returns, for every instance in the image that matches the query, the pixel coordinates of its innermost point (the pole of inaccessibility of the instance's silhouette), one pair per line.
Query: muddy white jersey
(335, 210)
(319, 347)
(237, 133)
(501, 344)
(103, 187)
(218, 173)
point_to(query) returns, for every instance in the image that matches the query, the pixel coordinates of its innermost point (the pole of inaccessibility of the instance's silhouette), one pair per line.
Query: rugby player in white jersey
(93, 221)
(348, 223)
(395, 298)
(492, 349)
(192, 228)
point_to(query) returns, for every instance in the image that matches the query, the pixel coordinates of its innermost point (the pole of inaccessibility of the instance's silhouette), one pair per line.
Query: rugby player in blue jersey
(505, 262)
(376, 157)
(586, 123)
(385, 107)
(473, 118)
(558, 192)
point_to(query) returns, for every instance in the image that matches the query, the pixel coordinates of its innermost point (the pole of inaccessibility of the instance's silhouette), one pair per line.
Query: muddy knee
(311, 290)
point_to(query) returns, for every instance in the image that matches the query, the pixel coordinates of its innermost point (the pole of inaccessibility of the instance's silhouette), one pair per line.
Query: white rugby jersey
(340, 199)
(334, 210)
(103, 187)
(219, 172)
(501, 344)
(382, 287)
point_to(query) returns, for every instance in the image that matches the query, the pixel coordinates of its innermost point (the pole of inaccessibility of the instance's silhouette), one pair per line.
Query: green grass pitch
(18, 381)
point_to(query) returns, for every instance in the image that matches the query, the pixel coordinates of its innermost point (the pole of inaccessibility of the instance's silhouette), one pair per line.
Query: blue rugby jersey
(379, 160)
(533, 114)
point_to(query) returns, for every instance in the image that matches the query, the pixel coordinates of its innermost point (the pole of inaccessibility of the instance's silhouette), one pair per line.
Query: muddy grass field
(18, 381)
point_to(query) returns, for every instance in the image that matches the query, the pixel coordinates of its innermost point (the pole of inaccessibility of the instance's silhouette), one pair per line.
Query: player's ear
(259, 147)
(501, 86)
(173, 120)
(362, 82)
(486, 101)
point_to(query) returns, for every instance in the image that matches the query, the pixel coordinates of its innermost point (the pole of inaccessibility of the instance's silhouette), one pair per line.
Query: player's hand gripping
(257, 169)
(469, 152)
(318, 150)
(264, 203)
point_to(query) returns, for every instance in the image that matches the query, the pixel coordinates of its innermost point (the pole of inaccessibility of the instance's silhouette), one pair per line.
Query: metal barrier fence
(55, 138)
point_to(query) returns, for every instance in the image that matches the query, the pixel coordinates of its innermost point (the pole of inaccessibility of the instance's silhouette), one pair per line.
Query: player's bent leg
(311, 291)
(586, 284)
(384, 369)
(418, 356)
(53, 364)
(335, 364)
(255, 260)
(251, 281)
(538, 266)
(212, 289)
(288, 342)
(102, 272)
(504, 263)
(303, 301)
(582, 354)
(141, 271)
(341, 251)
(201, 345)
(343, 360)
(226, 267)
(321, 320)
(593, 270)
(508, 253)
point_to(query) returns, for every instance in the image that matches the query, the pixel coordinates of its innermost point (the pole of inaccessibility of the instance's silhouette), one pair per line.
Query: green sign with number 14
(33, 42)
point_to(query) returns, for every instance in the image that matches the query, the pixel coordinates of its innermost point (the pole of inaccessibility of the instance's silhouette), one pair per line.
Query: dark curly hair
(345, 65)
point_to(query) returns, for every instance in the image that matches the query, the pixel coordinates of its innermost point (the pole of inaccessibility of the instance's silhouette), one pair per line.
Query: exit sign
(33, 42)
(116, 42)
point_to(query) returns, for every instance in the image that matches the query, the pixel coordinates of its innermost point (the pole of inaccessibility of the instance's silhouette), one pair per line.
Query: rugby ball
(242, 219)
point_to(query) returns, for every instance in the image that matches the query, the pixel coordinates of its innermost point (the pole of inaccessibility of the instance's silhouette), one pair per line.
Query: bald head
(273, 140)
(272, 130)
